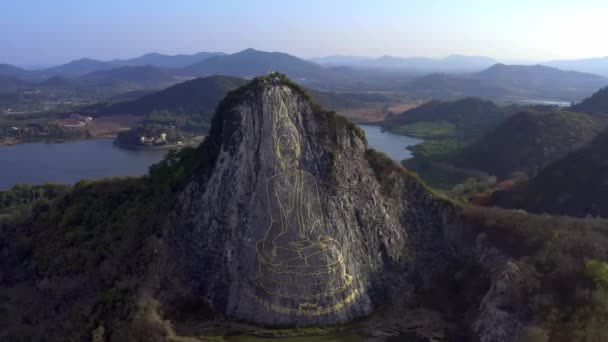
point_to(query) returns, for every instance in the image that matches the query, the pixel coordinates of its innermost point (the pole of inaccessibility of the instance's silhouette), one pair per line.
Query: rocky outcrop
(289, 226)
(294, 221)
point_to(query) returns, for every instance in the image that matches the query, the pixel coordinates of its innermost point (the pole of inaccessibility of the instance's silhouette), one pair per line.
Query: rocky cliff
(295, 222)
(289, 225)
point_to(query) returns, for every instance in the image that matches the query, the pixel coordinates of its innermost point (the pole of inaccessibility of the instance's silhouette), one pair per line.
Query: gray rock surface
(294, 222)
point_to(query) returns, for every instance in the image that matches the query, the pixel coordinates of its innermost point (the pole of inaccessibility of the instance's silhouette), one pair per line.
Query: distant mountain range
(470, 75)
(166, 61)
(339, 60)
(251, 62)
(456, 63)
(452, 63)
(84, 66)
(591, 65)
(510, 81)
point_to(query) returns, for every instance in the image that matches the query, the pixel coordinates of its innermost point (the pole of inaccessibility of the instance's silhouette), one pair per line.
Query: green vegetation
(562, 266)
(163, 128)
(195, 97)
(436, 150)
(596, 104)
(78, 266)
(36, 127)
(463, 120)
(25, 194)
(429, 161)
(348, 101)
(576, 185)
(99, 239)
(598, 272)
(388, 173)
(528, 142)
(180, 112)
(427, 130)
(518, 148)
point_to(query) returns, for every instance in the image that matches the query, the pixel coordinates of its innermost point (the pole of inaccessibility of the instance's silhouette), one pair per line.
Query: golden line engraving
(297, 261)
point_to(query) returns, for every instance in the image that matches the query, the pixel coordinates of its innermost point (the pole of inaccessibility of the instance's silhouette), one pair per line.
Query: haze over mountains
(452, 63)
(453, 76)
(516, 81)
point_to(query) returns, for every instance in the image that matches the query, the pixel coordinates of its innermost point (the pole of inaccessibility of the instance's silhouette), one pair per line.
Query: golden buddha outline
(296, 259)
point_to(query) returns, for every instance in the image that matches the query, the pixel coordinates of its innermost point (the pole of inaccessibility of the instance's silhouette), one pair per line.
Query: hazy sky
(55, 31)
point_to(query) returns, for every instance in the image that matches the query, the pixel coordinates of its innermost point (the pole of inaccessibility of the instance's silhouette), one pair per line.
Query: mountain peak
(250, 50)
(268, 141)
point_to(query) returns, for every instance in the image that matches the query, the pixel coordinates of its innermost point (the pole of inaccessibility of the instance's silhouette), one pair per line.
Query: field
(110, 126)
(377, 114)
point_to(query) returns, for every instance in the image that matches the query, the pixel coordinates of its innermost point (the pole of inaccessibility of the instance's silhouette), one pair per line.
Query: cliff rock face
(290, 224)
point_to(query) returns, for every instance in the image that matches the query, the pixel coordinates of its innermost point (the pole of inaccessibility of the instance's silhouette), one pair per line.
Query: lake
(70, 162)
(394, 145)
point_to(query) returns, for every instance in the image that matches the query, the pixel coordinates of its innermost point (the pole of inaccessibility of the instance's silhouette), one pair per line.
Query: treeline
(24, 194)
(174, 127)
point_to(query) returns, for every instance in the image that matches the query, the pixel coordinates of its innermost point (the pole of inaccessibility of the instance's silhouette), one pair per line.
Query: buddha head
(287, 147)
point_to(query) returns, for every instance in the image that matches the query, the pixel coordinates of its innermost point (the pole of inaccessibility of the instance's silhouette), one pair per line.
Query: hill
(576, 185)
(528, 141)
(74, 68)
(339, 60)
(143, 75)
(59, 82)
(539, 76)
(347, 101)
(441, 85)
(203, 94)
(464, 120)
(452, 63)
(80, 67)
(597, 65)
(196, 246)
(165, 61)
(9, 84)
(250, 63)
(510, 81)
(12, 71)
(195, 96)
(595, 104)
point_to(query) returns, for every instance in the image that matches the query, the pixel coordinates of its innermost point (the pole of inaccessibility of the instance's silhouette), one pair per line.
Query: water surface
(394, 145)
(70, 162)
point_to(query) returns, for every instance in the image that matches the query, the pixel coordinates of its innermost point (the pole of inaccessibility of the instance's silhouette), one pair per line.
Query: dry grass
(405, 106)
(376, 114)
(110, 126)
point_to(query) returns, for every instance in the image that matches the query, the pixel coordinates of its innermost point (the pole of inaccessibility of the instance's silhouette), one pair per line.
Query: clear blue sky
(55, 31)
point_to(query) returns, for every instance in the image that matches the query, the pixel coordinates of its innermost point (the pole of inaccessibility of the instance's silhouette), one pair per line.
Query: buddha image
(296, 258)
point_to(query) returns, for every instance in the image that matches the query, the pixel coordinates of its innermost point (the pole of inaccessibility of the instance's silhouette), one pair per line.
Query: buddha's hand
(303, 244)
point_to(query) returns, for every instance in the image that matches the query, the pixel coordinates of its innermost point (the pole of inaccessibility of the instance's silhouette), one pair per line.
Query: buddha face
(287, 150)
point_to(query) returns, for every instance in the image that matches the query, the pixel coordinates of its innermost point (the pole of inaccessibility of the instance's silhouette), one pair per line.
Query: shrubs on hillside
(563, 267)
